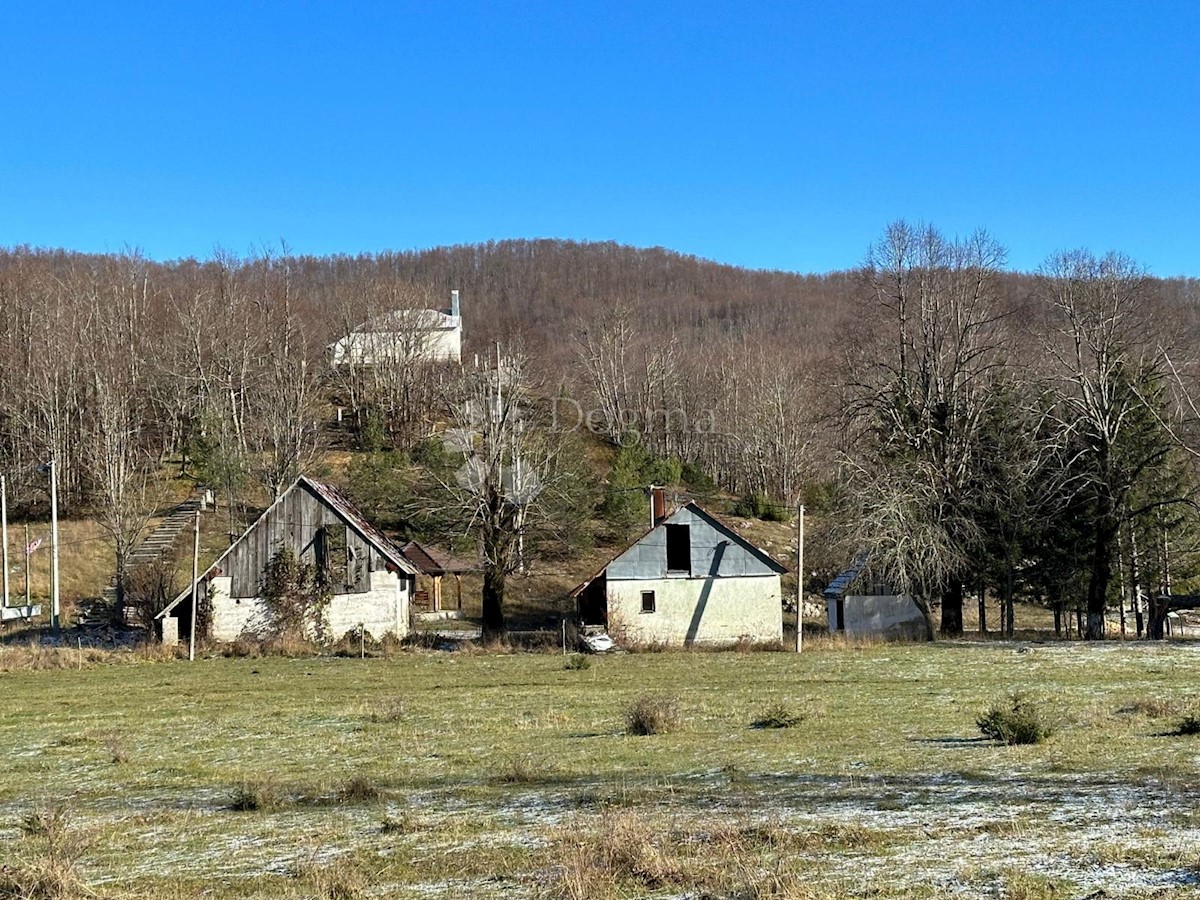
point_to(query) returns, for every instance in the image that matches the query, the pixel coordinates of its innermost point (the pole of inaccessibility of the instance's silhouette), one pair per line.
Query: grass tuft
(1188, 725)
(359, 790)
(653, 714)
(340, 879)
(577, 662)
(777, 715)
(1015, 720)
(47, 869)
(387, 711)
(256, 795)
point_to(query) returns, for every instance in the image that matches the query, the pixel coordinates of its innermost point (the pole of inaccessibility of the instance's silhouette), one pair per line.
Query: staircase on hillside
(151, 549)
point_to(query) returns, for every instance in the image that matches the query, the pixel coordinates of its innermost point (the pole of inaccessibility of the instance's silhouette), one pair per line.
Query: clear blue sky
(777, 135)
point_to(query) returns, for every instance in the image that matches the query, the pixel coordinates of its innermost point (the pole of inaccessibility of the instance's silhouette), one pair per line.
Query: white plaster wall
(736, 608)
(234, 616)
(382, 609)
(371, 348)
(883, 615)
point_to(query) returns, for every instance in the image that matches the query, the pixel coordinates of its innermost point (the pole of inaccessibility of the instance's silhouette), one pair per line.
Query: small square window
(647, 601)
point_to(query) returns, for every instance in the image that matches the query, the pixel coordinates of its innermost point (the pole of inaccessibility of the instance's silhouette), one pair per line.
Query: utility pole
(799, 577)
(54, 546)
(195, 588)
(4, 532)
(28, 602)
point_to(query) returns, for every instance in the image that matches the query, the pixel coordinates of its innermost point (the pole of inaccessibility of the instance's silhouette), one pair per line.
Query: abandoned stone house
(371, 580)
(690, 579)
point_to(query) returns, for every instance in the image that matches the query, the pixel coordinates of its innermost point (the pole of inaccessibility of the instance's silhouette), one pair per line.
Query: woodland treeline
(971, 427)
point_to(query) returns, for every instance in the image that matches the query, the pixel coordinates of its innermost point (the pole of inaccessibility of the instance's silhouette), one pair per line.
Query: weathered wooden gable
(305, 522)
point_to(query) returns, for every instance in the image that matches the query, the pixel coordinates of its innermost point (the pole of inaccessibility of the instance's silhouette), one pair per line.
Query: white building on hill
(403, 335)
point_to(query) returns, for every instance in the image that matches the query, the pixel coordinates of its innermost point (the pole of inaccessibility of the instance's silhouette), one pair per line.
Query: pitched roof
(345, 510)
(432, 561)
(838, 587)
(713, 520)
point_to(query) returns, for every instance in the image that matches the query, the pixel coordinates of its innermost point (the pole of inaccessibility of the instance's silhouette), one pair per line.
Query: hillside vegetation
(930, 404)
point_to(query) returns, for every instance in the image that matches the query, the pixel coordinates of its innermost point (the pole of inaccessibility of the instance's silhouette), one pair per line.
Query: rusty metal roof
(432, 561)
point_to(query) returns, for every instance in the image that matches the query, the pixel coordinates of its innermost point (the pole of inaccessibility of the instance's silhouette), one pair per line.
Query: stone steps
(150, 550)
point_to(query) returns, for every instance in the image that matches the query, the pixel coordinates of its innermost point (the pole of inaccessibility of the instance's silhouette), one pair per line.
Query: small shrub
(1189, 724)
(777, 715)
(524, 769)
(577, 662)
(360, 789)
(47, 870)
(653, 714)
(760, 506)
(256, 795)
(697, 479)
(1015, 720)
(389, 710)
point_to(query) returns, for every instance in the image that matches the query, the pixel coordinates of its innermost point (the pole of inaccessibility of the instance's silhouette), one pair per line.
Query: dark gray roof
(838, 587)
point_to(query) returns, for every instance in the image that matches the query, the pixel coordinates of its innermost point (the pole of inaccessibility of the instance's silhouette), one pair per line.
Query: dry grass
(37, 656)
(339, 879)
(630, 853)
(359, 790)
(653, 714)
(388, 710)
(46, 864)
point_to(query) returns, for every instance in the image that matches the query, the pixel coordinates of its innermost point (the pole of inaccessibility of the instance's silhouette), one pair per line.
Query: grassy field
(490, 775)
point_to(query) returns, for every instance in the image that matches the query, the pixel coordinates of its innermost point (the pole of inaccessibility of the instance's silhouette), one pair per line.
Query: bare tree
(513, 489)
(1105, 365)
(918, 394)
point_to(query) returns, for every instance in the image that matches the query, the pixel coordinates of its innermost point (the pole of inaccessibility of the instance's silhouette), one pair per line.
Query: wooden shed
(435, 564)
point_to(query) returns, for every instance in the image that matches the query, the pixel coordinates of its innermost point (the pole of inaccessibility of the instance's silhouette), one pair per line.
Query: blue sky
(775, 135)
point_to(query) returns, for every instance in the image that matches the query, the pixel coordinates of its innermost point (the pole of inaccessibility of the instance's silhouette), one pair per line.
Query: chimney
(454, 308)
(658, 504)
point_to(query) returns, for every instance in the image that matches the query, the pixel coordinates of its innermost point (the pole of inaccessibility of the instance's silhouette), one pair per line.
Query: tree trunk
(493, 604)
(1058, 619)
(952, 610)
(1006, 605)
(927, 615)
(1098, 580)
(982, 612)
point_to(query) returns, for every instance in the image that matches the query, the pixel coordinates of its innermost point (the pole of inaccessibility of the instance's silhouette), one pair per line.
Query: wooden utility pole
(54, 546)
(27, 555)
(800, 578)
(4, 532)
(195, 589)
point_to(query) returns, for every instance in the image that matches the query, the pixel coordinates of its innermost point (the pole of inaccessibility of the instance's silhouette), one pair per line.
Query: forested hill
(540, 286)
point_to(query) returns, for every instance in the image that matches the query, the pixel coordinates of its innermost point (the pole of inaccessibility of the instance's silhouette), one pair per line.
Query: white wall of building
(697, 610)
(433, 337)
(879, 615)
(381, 610)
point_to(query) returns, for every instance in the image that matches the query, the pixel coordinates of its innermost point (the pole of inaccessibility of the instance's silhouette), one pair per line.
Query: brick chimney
(658, 504)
